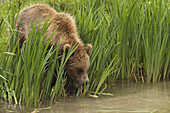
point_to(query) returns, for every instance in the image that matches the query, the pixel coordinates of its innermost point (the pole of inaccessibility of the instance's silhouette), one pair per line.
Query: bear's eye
(80, 70)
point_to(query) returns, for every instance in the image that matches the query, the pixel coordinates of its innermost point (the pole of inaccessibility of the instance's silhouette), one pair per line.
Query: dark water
(127, 98)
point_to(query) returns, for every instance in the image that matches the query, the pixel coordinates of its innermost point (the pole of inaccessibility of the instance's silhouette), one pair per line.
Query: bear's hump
(39, 9)
(65, 23)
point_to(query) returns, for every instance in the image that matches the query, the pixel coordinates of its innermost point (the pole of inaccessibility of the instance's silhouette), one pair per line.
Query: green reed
(27, 73)
(143, 34)
(130, 41)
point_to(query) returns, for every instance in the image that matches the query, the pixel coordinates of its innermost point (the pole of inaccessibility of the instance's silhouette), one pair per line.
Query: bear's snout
(84, 80)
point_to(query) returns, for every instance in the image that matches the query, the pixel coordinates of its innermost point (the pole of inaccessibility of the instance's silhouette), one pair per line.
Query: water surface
(127, 98)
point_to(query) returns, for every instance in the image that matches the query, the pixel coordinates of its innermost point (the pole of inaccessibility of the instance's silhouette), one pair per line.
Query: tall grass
(130, 41)
(27, 73)
(143, 34)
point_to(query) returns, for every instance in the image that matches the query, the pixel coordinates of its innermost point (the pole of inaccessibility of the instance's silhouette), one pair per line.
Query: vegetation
(130, 41)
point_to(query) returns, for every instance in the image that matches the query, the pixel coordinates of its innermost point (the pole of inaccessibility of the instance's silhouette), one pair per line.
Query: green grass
(130, 41)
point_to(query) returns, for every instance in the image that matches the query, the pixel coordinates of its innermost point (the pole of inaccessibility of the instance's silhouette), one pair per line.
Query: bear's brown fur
(78, 63)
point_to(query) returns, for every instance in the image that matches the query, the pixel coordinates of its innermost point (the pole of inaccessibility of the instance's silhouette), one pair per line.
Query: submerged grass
(130, 41)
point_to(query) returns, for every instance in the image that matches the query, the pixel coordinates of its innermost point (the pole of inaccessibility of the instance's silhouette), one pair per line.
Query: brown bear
(78, 63)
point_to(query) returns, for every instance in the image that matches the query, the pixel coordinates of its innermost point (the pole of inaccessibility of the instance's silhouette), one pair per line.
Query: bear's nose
(87, 81)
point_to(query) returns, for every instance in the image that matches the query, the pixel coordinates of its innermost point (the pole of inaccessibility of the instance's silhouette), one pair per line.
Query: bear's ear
(66, 47)
(88, 48)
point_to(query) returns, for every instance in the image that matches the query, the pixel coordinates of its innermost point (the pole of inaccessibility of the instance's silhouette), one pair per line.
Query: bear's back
(64, 23)
(33, 13)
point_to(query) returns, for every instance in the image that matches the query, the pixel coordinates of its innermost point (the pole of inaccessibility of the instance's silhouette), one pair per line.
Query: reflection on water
(128, 98)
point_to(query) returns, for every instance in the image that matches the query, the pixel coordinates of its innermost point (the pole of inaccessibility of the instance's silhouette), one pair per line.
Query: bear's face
(78, 64)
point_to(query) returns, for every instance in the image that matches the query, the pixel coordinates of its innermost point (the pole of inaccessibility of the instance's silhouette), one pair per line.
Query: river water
(127, 98)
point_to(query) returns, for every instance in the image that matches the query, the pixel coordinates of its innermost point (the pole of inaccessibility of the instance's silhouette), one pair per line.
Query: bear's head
(78, 63)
